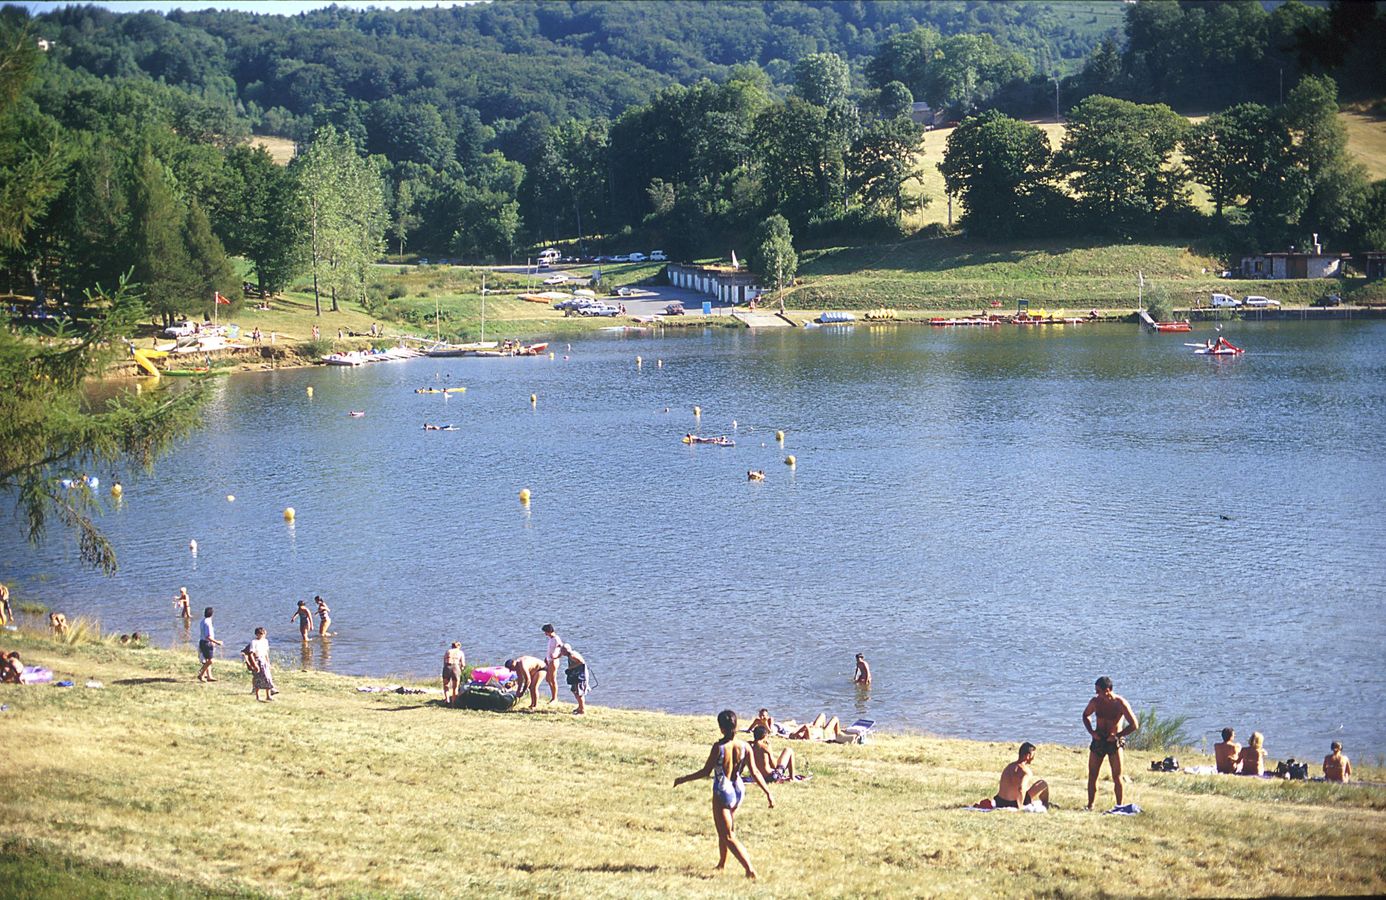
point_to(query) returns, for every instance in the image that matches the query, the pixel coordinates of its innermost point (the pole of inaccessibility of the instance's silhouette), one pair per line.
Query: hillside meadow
(158, 785)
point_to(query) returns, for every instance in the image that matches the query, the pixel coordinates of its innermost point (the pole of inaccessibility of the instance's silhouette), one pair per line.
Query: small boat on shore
(721, 441)
(1173, 326)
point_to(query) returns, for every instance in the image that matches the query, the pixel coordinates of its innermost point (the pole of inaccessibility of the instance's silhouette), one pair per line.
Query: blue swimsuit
(727, 788)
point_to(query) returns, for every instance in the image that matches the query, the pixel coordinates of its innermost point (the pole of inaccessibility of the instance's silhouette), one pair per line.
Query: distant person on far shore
(1019, 786)
(182, 604)
(257, 660)
(324, 616)
(1252, 759)
(530, 671)
(863, 674)
(207, 645)
(577, 677)
(1107, 709)
(725, 763)
(454, 661)
(1225, 753)
(1336, 766)
(551, 661)
(305, 620)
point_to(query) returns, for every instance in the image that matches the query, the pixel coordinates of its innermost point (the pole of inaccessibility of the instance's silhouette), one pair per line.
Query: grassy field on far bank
(157, 784)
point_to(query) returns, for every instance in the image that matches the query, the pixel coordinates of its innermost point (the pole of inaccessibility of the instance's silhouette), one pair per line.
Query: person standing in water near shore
(305, 620)
(182, 604)
(324, 616)
(863, 674)
(207, 645)
(1108, 737)
(725, 763)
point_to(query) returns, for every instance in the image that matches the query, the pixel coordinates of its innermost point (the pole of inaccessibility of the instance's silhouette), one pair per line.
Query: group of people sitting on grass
(1234, 759)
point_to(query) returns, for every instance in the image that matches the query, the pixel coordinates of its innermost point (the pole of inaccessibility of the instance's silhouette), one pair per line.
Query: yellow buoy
(310, 390)
(779, 436)
(550, 354)
(117, 490)
(524, 496)
(288, 514)
(230, 498)
(790, 461)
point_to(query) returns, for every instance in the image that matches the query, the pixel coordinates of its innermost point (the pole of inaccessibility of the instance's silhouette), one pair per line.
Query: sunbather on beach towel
(773, 767)
(1019, 786)
(820, 729)
(1225, 753)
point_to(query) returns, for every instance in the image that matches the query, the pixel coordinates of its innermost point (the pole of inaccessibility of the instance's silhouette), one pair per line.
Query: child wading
(725, 763)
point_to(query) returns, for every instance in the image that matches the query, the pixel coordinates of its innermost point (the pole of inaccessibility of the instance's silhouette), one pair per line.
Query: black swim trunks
(998, 803)
(577, 679)
(207, 650)
(1105, 748)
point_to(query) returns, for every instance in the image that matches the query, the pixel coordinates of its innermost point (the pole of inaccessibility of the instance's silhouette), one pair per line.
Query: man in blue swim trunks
(206, 645)
(1108, 737)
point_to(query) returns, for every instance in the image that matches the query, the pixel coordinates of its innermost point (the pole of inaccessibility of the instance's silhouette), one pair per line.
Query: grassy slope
(157, 784)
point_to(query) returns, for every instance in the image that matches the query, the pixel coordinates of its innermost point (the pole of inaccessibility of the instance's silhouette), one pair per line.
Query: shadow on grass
(600, 867)
(164, 680)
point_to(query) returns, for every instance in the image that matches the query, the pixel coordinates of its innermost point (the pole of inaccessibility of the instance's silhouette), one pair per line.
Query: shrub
(1159, 735)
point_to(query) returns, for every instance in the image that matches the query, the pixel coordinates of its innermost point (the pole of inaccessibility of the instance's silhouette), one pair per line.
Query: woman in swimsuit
(727, 759)
(324, 616)
(305, 620)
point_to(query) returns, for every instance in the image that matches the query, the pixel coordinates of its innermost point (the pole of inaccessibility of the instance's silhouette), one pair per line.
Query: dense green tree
(894, 100)
(31, 157)
(157, 243)
(906, 58)
(997, 166)
(882, 162)
(794, 160)
(403, 215)
(970, 68)
(260, 221)
(1119, 159)
(822, 79)
(343, 205)
(773, 259)
(211, 270)
(49, 428)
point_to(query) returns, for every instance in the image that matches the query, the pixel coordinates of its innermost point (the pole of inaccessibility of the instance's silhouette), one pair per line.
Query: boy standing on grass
(551, 661)
(207, 645)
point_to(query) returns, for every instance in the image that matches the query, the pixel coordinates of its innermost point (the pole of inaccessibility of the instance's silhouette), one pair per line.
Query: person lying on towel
(1019, 786)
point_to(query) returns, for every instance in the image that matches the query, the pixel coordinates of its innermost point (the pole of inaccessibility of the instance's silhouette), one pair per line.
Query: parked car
(625, 292)
(657, 256)
(1224, 301)
(674, 309)
(599, 309)
(621, 258)
(1259, 302)
(1329, 300)
(556, 279)
(181, 329)
(423, 261)
(637, 257)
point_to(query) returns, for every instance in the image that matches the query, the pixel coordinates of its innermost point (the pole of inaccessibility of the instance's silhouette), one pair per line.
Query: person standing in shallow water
(1107, 709)
(305, 620)
(863, 674)
(324, 616)
(725, 763)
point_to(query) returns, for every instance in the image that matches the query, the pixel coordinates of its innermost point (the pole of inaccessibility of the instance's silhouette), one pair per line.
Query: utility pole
(1056, 99)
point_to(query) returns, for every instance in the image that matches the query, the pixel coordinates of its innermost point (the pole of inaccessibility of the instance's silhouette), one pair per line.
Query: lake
(994, 517)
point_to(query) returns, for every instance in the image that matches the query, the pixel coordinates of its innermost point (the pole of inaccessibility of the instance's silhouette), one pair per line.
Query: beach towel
(1200, 770)
(36, 675)
(989, 805)
(1129, 809)
(65, 683)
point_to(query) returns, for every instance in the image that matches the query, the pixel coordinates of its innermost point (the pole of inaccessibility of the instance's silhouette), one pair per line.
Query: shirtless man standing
(1108, 737)
(1225, 753)
(863, 674)
(1336, 766)
(1019, 786)
(530, 671)
(551, 660)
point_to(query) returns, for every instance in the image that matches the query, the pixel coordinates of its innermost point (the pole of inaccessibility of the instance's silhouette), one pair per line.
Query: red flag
(216, 295)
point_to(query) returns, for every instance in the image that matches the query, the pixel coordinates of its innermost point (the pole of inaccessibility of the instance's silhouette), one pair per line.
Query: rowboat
(1173, 326)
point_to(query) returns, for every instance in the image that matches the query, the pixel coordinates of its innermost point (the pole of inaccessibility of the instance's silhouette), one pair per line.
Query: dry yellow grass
(1367, 140)
(174, 786)
(280, 149)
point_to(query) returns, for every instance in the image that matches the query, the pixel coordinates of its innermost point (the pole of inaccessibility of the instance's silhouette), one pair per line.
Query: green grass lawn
(159, 785)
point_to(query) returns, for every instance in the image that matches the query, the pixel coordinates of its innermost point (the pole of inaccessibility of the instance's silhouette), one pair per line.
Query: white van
(1225, 301)
(637, 257)
(1259, 301)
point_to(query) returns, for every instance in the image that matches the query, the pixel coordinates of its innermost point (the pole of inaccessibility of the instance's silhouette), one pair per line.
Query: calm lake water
(993, 516)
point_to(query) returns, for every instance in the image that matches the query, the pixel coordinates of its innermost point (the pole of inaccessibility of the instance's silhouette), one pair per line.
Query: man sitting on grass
(1226, 752)
(1336, 766)
(1019, 786)
(773, 767)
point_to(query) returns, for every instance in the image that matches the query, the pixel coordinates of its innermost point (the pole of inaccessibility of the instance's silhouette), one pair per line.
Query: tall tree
(997, 166)
(261, 221)
(160, 254)
(773, 258)
(1119, 157)
(882, 162)
(343, 205)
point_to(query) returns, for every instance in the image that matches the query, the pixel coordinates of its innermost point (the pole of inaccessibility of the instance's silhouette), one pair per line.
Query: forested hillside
(476, 132)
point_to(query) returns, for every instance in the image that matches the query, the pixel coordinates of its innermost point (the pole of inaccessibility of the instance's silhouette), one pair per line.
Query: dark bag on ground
(485, 698)
(1168, 764)
(1294, 770)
